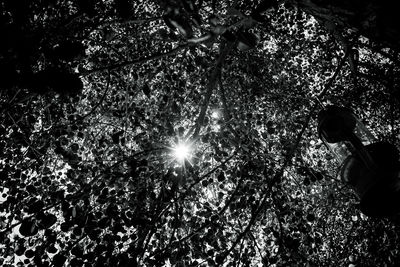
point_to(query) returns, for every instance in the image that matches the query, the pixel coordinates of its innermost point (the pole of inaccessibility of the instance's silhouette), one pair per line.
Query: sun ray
(181, 152)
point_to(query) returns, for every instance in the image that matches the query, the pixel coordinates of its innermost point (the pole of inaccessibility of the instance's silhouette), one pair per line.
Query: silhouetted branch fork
(183, 195)
(331, 80)
(212, 170)
(277, 178)
(207, 223)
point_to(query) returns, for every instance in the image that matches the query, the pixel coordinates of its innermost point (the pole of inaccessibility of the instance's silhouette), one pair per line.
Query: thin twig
(207, 223)
(131, 21)
(101, 99)
(137, 61)
(276, 179)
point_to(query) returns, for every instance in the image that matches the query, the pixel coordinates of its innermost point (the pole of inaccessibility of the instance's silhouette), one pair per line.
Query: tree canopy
(183, 133)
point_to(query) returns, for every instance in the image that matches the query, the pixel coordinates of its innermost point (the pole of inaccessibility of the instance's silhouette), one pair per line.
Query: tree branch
(79, 192)
(277, 177)
(101, 100)
(131, 21)
(207, 223)
(137, 61)
(210, 87)
(227, 112)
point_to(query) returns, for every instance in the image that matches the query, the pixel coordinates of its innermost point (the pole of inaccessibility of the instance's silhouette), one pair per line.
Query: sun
(182, 152)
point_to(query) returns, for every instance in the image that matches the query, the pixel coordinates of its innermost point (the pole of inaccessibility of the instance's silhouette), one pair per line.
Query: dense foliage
(94, 98)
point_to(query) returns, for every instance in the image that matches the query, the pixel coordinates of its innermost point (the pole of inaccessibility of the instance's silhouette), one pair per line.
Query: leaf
(59, 260)
(20, 249)
(77, 262)
(47, 221)
(231, 11)
(271, 130)
(196, 19)
(218, 29)
(246, 40)
(77, 251)
(52, 249)
(310, 217)
(319, 176)
(174, 107)
(74, 147)
(31, 189)
(264, 135)
(65, 227)
(29, 253)
(146, 90)
(213, 20)
(221, 176)
(167, 20)
(28, 227)
(248, 23)
(229, 36)
(35, 206)
(77, 231)
(163, 33)
(115, 136)
(181, 131)
(188, 5)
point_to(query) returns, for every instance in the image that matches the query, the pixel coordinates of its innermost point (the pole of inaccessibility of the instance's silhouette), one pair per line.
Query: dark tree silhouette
(183, 133)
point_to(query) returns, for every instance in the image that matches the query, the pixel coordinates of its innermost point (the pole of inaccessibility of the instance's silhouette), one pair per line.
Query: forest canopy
(184, 133)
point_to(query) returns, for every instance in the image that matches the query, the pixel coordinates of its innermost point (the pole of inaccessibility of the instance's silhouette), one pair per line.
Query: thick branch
(210, 87)
(227, 112)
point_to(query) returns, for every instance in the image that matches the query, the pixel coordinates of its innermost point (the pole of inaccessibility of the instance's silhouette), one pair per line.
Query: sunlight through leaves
(182, 151)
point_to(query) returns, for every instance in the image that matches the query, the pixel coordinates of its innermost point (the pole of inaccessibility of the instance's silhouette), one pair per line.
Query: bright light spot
(182, 151)
(216, 128)
(216, 114)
